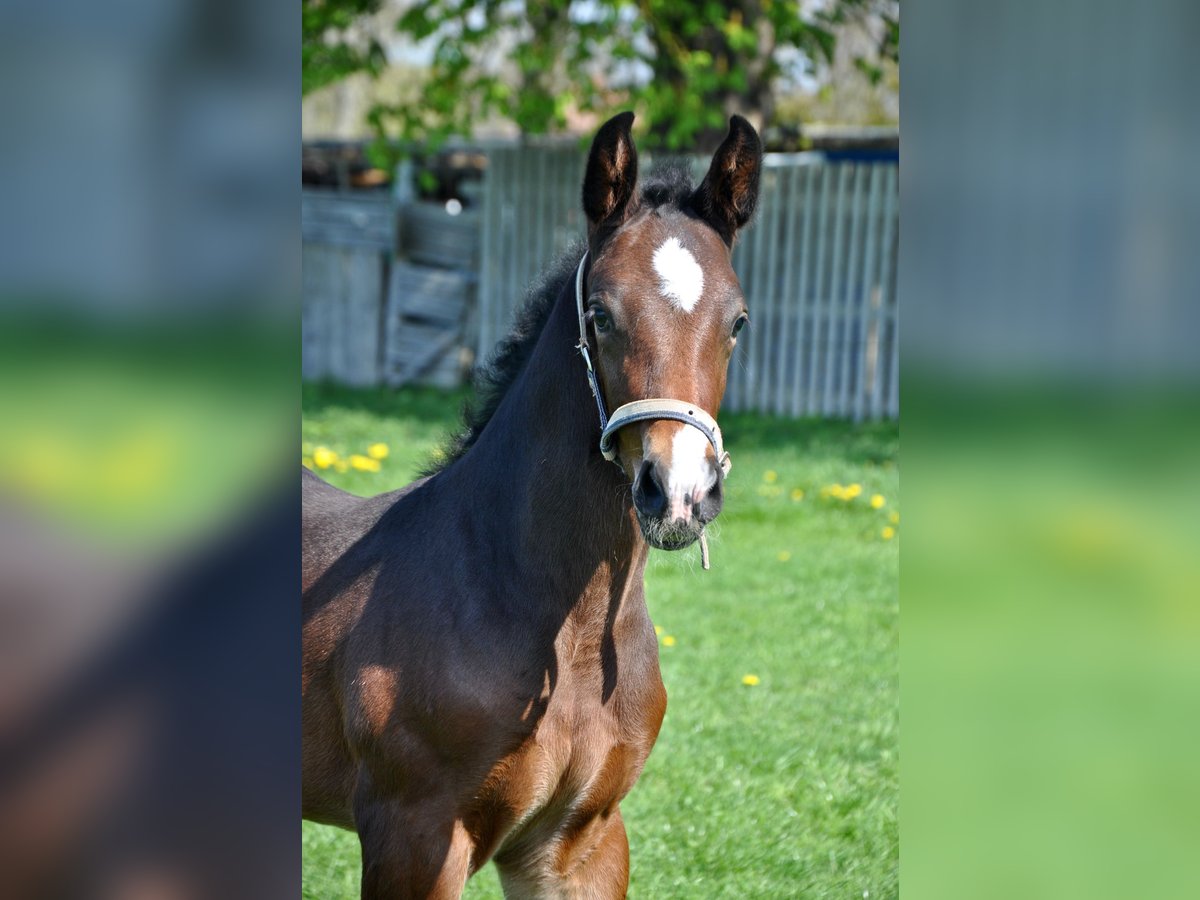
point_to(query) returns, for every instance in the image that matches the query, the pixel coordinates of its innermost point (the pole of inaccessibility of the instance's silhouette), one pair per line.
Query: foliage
(334, 44)
(784, 784)
(685, 66)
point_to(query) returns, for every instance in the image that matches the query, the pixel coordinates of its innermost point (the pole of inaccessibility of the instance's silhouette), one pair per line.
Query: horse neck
(542, 484)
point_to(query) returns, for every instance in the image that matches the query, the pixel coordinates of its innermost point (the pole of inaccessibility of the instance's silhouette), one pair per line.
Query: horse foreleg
(411, 853)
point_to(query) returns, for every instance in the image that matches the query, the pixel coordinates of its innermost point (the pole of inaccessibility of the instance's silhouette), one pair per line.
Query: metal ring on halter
(640, 410)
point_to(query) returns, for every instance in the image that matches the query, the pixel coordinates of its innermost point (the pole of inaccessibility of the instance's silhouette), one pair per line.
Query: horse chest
(583, 757)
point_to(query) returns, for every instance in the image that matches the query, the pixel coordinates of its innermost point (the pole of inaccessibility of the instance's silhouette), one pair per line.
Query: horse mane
(668, 183)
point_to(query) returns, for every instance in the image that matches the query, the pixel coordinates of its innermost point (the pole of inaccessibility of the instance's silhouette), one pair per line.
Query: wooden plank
(835, 284)
(512, 233)
(361, 219)
(749, 260)
(543, 247)
(785, 400)
(356, 342)
(341, 313)
(426, 309)
(428, 294)
(851, 309)
(430, 235)
(486, 254)
(773, 349)
(803, 247)
(316, 267)
(889, 249)
(818, 296)
(499, 285)
(868, 359)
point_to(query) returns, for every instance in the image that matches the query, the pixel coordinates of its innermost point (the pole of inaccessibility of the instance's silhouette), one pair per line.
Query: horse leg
(592, 864)
(411, 852)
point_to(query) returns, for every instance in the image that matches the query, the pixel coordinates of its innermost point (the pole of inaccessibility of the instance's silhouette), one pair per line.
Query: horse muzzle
(675, 502)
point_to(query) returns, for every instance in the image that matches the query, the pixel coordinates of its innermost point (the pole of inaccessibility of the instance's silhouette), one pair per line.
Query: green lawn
(785, 788)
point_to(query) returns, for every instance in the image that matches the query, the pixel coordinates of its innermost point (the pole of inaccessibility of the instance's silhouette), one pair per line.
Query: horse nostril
(710, 506)
(648, 494)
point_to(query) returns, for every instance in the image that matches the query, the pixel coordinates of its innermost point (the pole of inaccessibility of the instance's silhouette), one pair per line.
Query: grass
(786, 788)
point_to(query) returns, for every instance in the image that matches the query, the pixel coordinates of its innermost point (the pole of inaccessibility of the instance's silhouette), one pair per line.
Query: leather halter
(640, 410)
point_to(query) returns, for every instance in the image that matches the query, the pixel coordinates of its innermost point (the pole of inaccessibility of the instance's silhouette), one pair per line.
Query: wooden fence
(818, 267)
(388, 288)
(348, 243)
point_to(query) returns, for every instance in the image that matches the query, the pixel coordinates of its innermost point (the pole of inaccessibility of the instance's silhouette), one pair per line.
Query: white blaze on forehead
(690, 475)
(680, 277)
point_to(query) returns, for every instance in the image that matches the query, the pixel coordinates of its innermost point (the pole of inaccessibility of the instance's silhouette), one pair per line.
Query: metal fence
(818, 267)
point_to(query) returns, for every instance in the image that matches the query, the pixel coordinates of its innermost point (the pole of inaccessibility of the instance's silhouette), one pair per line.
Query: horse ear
(611, 175)
(729, 192)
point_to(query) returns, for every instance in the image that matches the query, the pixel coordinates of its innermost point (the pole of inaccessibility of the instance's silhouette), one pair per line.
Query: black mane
(668, 183)
(494, 377)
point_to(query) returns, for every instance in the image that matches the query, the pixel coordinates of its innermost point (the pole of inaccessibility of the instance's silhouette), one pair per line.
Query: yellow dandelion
(888, 532)
(770, 476)
(323, 457)
(784, 556)
(364, 463)
(894, 518)
(668, 641)
(852, 491)
(877, 501)
(340, 465)
(834, 490)
(658, 630)
(750, 680)
(378, 451)
(797, 495)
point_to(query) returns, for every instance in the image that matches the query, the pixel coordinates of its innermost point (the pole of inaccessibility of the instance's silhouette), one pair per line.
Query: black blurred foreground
(149, 263)
(149, 728)
(149, 721)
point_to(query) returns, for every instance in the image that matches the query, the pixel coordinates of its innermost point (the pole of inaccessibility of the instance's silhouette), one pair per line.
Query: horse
(480, 673)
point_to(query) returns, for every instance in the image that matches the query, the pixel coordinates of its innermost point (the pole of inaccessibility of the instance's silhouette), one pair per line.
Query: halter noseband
(643, 410)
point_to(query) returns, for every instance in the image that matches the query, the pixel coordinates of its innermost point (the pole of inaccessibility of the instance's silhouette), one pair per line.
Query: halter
(643, 410)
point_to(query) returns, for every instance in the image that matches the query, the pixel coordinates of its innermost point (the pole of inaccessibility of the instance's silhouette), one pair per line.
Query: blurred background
(149, 288)
(1051, 584)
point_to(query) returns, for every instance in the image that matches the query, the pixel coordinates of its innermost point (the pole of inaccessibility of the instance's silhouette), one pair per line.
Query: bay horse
(480, 673)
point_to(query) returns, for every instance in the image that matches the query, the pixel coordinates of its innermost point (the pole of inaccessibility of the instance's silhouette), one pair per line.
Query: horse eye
(601, 319)
(739, 325)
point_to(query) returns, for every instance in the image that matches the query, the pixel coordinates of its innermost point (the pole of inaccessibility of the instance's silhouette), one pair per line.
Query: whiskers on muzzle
(673, 510)
(670, 534)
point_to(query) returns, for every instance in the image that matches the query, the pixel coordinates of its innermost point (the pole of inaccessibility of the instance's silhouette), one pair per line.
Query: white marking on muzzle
(680, 277)
(690, 475)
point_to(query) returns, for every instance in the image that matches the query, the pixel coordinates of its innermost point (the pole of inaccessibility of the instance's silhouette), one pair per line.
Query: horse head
(662, 309)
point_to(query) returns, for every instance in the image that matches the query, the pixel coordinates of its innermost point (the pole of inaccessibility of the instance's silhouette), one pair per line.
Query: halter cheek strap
(643, 410)
(582, 347)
